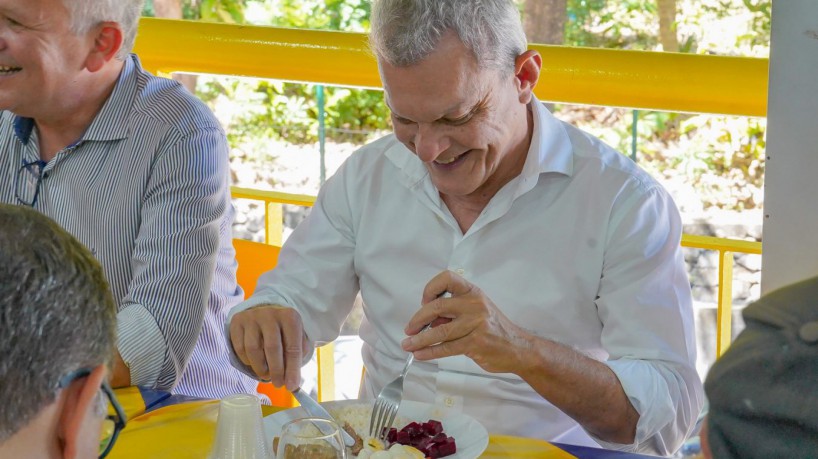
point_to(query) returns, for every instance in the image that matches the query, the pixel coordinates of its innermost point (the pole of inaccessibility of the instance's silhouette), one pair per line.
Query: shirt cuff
(649, 394)
(141, 344)
(243, 306)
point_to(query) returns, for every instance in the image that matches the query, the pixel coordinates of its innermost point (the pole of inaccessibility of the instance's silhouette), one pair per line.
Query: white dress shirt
(583, 248)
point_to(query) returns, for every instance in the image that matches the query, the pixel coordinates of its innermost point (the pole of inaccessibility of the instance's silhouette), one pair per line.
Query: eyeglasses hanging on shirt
(29, 178)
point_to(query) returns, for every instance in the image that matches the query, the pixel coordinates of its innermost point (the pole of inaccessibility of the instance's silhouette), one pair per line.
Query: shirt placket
(451, 381)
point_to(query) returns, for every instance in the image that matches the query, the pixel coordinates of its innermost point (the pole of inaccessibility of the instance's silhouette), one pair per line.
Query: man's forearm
(585, 389)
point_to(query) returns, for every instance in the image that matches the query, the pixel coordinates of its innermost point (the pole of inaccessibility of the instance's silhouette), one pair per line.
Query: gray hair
(403, 32)
(86, 14)
(56, 313)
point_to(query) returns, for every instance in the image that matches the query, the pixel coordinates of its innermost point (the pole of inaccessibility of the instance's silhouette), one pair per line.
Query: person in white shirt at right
(570, 315)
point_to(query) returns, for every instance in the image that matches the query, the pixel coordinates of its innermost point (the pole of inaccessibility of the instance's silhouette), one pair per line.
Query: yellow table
(130, 398)
(186, 431)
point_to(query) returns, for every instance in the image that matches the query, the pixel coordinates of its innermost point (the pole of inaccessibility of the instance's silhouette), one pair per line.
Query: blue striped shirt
(146, 188)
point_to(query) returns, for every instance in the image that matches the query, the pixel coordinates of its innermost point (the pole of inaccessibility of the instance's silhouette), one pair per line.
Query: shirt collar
(550, 149)
(111, 123)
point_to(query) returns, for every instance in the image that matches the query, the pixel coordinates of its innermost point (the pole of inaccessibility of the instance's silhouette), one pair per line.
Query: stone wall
(703, 265)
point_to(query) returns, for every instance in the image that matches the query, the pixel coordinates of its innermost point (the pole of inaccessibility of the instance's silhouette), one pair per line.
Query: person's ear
(80, 421)
(526, 72)
(107, 38)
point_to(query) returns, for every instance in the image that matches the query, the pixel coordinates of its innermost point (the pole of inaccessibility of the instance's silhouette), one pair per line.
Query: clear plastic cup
(239, 430)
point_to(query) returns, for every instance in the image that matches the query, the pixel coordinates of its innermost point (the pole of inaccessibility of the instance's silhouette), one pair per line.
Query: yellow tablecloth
(130, 398)
(186, 431)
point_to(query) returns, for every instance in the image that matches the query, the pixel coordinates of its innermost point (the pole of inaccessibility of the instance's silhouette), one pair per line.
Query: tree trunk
(544, 21)
(172, 9)
(168, 8)
(667, 25)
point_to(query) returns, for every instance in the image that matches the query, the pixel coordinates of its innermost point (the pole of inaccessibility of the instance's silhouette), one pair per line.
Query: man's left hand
(466, 323)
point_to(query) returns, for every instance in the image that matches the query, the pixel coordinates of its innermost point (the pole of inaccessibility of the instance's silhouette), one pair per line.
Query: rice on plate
(357, 416)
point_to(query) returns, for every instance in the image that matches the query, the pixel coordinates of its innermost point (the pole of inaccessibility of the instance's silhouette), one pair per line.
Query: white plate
(469, 435)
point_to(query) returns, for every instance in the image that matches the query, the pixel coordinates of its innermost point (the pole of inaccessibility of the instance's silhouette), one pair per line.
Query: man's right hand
(270, 340)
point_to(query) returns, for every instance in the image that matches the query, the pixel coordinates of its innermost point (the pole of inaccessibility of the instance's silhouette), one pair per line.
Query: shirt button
(809, 332)
(449, 402)
(460, 271)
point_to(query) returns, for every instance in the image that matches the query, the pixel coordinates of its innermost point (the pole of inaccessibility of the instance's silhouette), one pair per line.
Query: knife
(315, 409)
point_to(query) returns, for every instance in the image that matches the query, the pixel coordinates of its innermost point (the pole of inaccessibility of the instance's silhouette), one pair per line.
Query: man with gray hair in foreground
(58, 324)
(134, 167)
(569, 315)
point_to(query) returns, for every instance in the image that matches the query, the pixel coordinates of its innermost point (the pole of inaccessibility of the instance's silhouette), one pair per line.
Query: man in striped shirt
(137, 169)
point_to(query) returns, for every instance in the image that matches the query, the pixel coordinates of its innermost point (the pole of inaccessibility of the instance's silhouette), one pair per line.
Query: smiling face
(468, 125)
(40, 57)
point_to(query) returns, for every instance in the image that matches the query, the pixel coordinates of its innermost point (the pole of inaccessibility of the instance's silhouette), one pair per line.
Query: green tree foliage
(289, 111)
(347, 15)
(229, 11)
(605, 24)
(720, 158)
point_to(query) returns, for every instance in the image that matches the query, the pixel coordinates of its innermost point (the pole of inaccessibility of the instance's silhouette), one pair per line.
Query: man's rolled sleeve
(664, 400)
(645, 305)
(140, 344)
(175, 251)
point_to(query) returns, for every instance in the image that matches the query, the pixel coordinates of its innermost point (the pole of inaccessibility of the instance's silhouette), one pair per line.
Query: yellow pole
(274, 213)
(325, 356)
(724, 314)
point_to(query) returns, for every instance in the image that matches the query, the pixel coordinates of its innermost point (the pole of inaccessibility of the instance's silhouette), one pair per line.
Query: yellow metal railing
(273, 214)
(635, 79)
(726, 248)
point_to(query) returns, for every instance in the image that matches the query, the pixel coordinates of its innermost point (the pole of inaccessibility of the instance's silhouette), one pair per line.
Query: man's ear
(80, 421)
(107, 38)
(527, 71)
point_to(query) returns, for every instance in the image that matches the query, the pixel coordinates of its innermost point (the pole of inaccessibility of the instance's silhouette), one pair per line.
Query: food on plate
(427, 437)
(309, 452)
(359, 442)
(414, 440)
(396, 451)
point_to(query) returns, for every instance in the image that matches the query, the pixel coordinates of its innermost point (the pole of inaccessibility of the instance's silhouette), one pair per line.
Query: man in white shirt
(570, 314)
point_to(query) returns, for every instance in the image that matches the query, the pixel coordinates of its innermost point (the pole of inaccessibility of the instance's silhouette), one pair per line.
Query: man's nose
(430, 142)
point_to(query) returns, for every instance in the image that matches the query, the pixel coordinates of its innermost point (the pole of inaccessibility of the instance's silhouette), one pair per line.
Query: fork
(388, 401)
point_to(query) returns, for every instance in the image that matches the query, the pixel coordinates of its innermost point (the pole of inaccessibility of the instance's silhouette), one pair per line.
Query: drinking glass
(311, 437)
